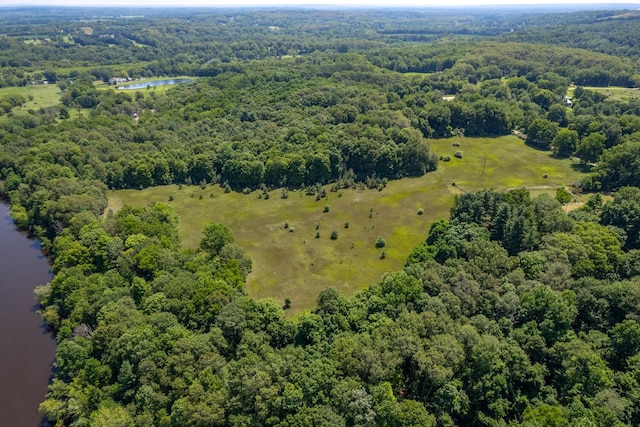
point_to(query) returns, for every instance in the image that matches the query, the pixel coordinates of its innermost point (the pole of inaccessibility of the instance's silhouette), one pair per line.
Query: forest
(511, 312)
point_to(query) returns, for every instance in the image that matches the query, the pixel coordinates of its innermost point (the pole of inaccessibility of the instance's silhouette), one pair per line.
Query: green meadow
(293, 263)
(43, 96)
(617, 93)
(38, 96)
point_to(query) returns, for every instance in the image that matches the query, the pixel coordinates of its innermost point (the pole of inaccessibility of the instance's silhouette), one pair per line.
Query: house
(117, 80)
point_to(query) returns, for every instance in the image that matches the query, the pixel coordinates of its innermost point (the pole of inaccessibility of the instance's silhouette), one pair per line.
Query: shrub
(446, 158)
(287, 304)
(286, 225)
(380, 242)
(284, 194)
(317, 234)
(456, 144)
(227, 187)
(458, 154)
(383, 255)
(200, 197)
(346, 224)
(171, 197)
(334, 235)
(246, 190)
(563, 196)
(326, 208)
(420, 211)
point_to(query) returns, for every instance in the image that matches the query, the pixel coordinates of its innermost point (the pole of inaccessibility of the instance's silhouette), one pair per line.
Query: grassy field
(617, 92)
(297, 265)
(43, 95)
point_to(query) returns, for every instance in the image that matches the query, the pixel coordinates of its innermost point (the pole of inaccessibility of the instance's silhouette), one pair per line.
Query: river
(27, 350)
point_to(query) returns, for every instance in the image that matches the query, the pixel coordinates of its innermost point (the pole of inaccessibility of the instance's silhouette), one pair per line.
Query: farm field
(297, 265)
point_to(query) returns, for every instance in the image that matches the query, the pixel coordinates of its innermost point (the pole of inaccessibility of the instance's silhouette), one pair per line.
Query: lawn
(297, 265)
(617, 93)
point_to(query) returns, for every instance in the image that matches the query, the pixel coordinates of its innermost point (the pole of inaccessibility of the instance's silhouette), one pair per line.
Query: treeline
(195, 42)
(511, 312)
(611, 33)
(506, 59)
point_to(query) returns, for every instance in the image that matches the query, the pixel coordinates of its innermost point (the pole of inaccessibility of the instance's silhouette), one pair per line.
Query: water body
(27, 350)
(144, 85)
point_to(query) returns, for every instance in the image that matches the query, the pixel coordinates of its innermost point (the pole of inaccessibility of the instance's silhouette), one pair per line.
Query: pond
(27, 349)
(143, 85)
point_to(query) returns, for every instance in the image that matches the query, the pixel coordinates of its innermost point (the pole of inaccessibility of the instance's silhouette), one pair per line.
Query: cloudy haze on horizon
(319, 3)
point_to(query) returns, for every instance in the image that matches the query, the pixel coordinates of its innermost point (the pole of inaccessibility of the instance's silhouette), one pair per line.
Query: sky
(334, 3)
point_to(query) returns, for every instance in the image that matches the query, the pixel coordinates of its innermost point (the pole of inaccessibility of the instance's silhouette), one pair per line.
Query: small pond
(143, 85)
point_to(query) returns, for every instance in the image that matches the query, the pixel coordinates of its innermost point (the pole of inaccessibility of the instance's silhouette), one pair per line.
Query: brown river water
(27, 349)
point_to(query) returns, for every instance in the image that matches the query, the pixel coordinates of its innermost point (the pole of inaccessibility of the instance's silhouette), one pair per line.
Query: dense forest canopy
(511, 312)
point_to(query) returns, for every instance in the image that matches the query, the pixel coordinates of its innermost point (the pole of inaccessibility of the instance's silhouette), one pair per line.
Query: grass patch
(617, 93)
(295, 264)
(43, 95)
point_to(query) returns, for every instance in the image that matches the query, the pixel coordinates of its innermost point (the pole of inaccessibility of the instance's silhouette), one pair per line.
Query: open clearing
(617, 93)
(43, 96)
(297, 265)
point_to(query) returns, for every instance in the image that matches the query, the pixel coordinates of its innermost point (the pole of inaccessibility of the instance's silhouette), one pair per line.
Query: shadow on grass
(582, 167)
(537, 147)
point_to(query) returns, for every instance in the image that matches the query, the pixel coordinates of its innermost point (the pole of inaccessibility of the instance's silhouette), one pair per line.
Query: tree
(541, 133)
(214, 237)
(544, 98)
(618, 166)
(552, 312)
(565, 142)
(558, 114)
(590, 147)
(563, 196)
(624, 212)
